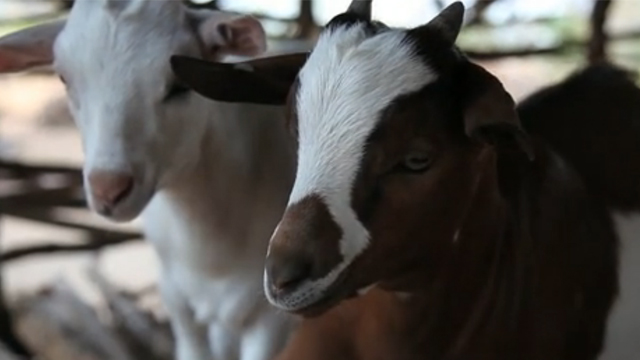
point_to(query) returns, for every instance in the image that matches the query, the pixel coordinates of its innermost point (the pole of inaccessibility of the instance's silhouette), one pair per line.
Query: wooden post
(66, 4)
(597, 50)
(306, 24)
(478, 10)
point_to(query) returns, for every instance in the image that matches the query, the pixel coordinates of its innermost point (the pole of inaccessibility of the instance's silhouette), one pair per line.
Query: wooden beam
(597, 49)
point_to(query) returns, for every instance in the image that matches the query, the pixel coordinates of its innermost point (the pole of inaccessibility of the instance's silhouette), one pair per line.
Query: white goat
(212, 186)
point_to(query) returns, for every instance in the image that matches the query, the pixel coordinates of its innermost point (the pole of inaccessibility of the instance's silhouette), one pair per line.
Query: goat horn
(361, 8)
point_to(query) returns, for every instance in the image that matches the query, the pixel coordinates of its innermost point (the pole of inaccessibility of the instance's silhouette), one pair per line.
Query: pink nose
(108, 188)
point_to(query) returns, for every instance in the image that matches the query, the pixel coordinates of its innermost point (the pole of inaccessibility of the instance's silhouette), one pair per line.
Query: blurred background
(76, 287)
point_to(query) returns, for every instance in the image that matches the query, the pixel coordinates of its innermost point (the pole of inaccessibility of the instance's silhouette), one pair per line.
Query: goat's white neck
(241, 167)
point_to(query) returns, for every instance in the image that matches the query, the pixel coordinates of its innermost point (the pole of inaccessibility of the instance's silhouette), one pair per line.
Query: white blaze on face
(348, 80)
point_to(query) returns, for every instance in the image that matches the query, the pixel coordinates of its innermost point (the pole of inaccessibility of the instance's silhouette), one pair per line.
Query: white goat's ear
(30, 47)
(233, 35)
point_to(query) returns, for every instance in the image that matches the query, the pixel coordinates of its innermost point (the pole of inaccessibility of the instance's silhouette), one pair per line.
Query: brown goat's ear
(490, 114)
(446, 25)
(449, 21)
(259, 81)
(361, 8)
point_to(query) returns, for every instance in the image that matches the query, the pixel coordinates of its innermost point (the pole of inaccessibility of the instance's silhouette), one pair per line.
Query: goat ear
(449, 21)
(361, 8)
(224, 34)
(260, 81)
(447, 25)
(490, 114)
(29, 48)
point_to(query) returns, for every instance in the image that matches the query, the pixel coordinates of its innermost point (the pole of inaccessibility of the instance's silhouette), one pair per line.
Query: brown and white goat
(415, 177)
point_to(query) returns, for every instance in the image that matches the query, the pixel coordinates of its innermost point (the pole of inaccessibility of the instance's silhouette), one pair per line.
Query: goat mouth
(333, 296)
(321, 307)
(127, 206)
(112, 210)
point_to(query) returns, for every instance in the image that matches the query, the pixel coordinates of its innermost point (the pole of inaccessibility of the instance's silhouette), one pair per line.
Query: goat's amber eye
(417, 161)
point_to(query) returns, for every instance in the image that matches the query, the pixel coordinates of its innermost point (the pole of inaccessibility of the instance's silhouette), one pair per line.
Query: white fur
(623, 326)
(348, 80)
(213, 178)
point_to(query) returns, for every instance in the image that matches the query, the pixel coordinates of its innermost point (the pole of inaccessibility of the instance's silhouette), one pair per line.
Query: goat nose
(286, 274)
(109, 187)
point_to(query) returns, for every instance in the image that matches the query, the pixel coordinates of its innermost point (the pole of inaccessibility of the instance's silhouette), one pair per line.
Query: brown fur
(531, 274)
(501, 257)
(367, 327)
(596, 102)
(496, 256)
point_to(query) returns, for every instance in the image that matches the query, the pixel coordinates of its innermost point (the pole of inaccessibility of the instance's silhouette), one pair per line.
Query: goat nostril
(110, 188)
(289, 276)
(126, 190)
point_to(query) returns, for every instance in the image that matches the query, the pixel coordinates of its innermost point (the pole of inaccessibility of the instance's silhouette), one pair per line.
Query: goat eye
(176, 91)
(416, 162)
